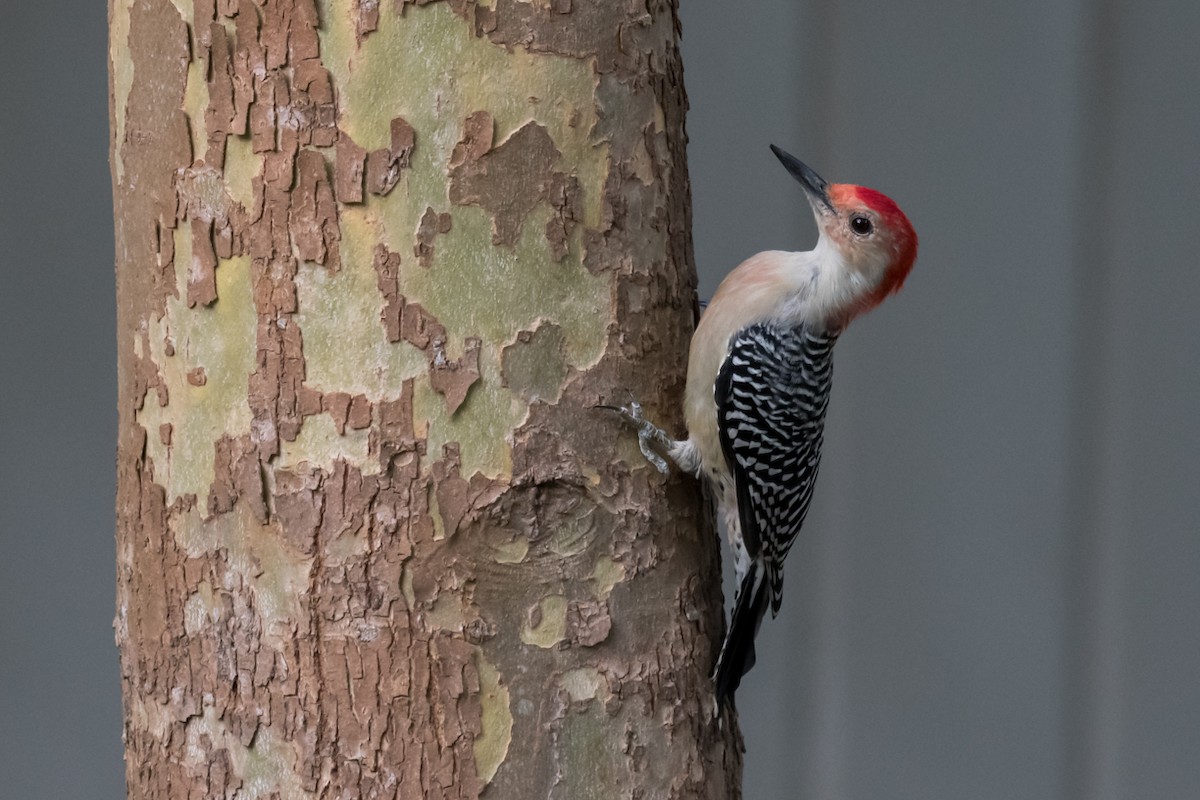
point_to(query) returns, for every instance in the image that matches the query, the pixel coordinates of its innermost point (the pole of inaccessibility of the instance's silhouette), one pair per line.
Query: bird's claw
(647, 432)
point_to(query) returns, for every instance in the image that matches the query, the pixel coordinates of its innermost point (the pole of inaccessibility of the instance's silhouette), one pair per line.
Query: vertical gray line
(1093, 603)
(821, 117)
(828, 757)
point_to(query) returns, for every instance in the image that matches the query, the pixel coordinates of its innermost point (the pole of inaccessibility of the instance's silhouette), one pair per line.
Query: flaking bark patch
(387, 271)
(366, 18)
(476, 140)
(347, 410)
(565, 196)
(202, 275)
(432, 223)
(506, 181)
(314, 219)
(588, 622)
(402, 320)
(384, 165)
(534, 366)
(453, 379)
(219, 116)
(351, 163)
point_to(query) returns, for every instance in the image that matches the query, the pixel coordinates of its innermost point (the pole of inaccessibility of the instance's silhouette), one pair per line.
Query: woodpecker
(759, 373)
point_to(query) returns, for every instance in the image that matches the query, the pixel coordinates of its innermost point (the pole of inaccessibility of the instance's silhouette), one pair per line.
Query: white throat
(825, 285)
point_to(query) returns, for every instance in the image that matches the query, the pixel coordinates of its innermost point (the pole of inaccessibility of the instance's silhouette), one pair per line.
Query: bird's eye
(860, 225)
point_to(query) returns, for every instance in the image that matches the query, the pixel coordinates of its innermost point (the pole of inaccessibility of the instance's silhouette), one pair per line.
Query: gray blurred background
(998, 591)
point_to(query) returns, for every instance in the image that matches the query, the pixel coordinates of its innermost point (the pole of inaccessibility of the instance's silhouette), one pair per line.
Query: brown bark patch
(156, 144)
(387, 278)
(403, 320)
(202, 273)
(384, 165)
(343, 408)
(314, 219)
(432, 223)
(203, 13)
(359, 415)
(420, 328)
(219, 115)
(411, 322)
(395, 438)
(236, 476)
(247, 64)
(366, 18)
(217, 228)
(313, 112)
(506, 181)
(270, 91)
(459, 499)
(479, 128)
(542, 28)
(588, 622)
(351, 163)
(337, 405)
(566, 198)
(453, 379)
(535, 365)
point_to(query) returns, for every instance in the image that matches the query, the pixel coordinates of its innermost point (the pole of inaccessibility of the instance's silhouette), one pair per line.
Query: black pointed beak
(814, 185)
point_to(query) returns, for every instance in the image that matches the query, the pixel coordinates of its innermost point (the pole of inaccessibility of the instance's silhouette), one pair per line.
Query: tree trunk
(376, 263)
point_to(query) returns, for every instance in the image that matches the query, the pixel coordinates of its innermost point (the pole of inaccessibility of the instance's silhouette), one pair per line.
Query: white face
(856, 234)
(873, 238)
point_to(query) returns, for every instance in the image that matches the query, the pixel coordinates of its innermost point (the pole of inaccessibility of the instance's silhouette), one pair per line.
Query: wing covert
(771, 394)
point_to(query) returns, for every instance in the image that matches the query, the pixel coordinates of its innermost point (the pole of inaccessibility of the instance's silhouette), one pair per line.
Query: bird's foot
(647, 433)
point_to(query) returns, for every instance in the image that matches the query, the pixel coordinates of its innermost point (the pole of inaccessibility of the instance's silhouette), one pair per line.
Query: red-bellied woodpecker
(758, 383)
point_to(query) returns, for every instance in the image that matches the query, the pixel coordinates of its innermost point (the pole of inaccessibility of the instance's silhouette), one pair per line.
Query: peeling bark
(373, 540)
(508, 181)
(384, 165)
(432, 223)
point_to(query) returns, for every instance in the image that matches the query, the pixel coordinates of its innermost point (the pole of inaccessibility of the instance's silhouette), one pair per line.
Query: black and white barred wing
(771, 395)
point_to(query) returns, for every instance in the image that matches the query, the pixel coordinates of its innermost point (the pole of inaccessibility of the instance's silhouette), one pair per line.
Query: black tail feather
(737, 651)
